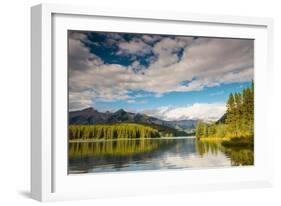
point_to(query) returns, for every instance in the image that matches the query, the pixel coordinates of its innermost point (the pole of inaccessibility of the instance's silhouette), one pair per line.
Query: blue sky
(217, 94)
(170, 77)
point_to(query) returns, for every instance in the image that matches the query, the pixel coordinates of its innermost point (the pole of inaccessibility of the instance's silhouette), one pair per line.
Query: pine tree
(238, 113)
(230, 113)
(205, 129)
(239, 117)
(199, 129)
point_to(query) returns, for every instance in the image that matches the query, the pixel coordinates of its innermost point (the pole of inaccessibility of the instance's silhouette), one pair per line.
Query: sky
(165, 76)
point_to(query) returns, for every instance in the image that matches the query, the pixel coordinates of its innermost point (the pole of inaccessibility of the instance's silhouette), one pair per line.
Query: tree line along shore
(236, 127)
(121, 131)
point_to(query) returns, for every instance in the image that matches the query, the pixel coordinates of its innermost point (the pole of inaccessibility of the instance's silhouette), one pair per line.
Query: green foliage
(239, 142)
(239, 118)
(120, 131)
(117, 148)
(240, 154)
(199, 129)
(166, 131)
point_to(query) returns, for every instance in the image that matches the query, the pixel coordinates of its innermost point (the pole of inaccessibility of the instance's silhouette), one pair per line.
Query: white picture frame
(49, 179)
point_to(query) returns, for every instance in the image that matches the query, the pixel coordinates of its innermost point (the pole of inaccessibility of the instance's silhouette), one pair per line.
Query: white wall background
(15, 100)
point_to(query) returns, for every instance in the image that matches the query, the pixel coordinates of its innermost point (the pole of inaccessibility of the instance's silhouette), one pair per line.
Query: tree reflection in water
(157, 153)
(238, 155)
(116, 147)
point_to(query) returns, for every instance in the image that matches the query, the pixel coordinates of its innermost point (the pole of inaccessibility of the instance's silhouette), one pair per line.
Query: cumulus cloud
(151, 38)
(135, 47)
(203, 111)
(78, 100)
(79, 56)
(199, 62)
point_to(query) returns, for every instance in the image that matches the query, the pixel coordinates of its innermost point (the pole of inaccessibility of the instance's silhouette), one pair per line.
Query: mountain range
(91, 116)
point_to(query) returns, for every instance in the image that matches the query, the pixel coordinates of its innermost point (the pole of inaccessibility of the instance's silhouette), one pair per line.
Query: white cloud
(151, 38)
(135, 47)
(80, 100)
(205, 62)
(79, 57)
(203, 111)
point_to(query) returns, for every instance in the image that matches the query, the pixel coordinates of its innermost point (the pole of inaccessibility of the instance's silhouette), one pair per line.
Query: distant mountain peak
(91, 116)
(88, 109)
(120, 111)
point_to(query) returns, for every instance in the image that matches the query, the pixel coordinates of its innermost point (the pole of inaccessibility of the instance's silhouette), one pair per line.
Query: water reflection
(123, 147)
(238, 156)
(149, 154)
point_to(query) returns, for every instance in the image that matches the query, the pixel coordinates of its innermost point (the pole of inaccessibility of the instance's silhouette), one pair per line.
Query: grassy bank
(236, 127)
(239, 142)
(242, 141)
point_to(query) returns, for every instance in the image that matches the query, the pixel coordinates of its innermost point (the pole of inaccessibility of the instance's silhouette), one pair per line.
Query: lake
(152, 154)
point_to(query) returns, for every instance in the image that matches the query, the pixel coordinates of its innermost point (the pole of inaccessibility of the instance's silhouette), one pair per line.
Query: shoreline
(123, 139)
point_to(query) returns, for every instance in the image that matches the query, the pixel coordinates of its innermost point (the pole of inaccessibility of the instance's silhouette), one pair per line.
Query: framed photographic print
(134, 102)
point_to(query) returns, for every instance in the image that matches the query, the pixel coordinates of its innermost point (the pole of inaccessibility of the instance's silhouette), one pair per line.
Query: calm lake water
(151, 154)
